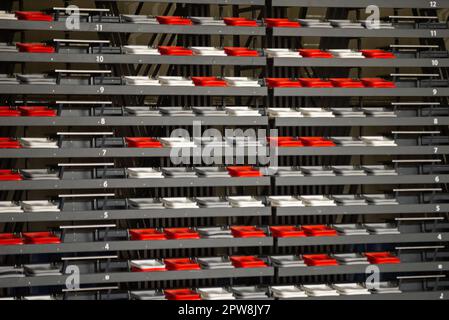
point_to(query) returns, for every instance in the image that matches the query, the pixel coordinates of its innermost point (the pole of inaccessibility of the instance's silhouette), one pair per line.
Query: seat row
(104, 16)
(219, 232)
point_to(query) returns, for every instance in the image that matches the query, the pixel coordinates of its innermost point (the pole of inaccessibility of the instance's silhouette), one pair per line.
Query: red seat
(240, 52)
(143, 142)
(243, 171)
(247, 262)
(41, 238)
(209, 82)
(33, 16)
(319, 260)
(315, 83)
(282, 83)
(181, 294)
(147, 234)
(346, 83)
(7, 239)
(247, 232)
(315, 53)
(316, 142)
(285, 141)
(181, 264)
(378, 54)
(377, 83)
(9, 143)
(281, 22)
(176, 20)
(382, 257)
(319, 230)
(9, 175)
(287, 231)
(37, 111)
(6, 111)
(181, 233)
(240, 22)
(35, 48)
(175, 51)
